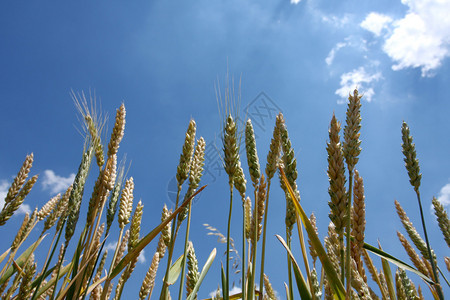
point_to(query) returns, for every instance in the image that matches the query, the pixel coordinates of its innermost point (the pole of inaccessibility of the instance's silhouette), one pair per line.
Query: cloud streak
(56, 183)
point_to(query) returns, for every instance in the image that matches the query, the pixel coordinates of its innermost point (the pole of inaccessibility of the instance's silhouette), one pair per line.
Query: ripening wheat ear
(126, 203)
(193, 274)
(19, 180)
(252, 155)
(352, 142)
(186, 155)
(442, 218)
(118, 131)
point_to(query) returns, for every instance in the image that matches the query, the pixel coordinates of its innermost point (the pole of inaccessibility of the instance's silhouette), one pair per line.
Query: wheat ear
(442, 218)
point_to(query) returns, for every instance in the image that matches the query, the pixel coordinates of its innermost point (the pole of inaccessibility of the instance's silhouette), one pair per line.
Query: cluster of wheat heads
(340, 264)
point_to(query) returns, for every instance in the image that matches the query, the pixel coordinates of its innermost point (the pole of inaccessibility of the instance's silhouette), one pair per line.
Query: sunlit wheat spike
(252, 155)
(18, 238)
(167, 230)
(195, 175)
(312, 250)
(442, 218)
(415, 258)
(316, 284)
(336, 175)
(48, 207)
(76, 195)
(351, 147)
(239, 179)
(95, 129)
(411, 162)
(358, 282)
(149, 280)
(19, 180)
(25, 286)
(359, 210)
(269, 289)
(401, 293)
(14, 205)
(186, 154)
(135, 226)
(193, 274)
(408, 286)
(118, 131)
(114, 198)
(289, 164)
(30, 224)
(370, 267)
(97, 292)
(122, 247)
(412, 232)
(230, 148)
(126, 203)
(273, 156)
(332, 246)
(60, 207)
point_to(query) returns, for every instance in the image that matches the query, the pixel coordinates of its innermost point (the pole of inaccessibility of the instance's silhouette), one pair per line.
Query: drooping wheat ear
(336, 175)
(273, 156)
(76, 194)
(20, 179)
(112, 204)
(415, 258)
(193, 274)
(27, 279)
(252, 155)
(122, 247)
(261, 197)
(186, 154)
(95, 131)
(230, 149)
(195, 175)
(126, 203)
(447, 262)
(9, 209)
(289, 163)
(401, 293)
(248, 217)
(411, 162)
(135, 226)
(239, 180)
(412, 232)
(352, 142)
(118, 131)
(408, 285)
(97, 292)
(60, 207)
(18, 238)
(316, 284)
(270, 292)
(48, 207)
(149, 280)
(312, 250)
(442, 218)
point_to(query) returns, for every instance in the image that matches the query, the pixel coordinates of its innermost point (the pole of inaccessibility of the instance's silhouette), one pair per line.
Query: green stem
(433, 265)
(171, 246)
(186, 241)
(244, 270)
(347, 232)
(263, 250)
(227, 277)
(288, 240)
(255, 241)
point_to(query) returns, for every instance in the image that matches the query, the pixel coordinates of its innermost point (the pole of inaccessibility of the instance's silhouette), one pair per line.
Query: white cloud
(444, 195)
(335, 20)
(111, 246)
(329, 59)
(141, 257)
(56, 183)
(4, 186)
(357, 78)
(295, 1)
(375, 23)
(421, 39)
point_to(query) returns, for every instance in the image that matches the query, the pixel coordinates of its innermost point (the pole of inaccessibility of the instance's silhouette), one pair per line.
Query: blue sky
(163, 59)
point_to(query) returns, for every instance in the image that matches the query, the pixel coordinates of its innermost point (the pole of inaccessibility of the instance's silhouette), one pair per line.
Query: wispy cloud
(358, 78)
(444, 195)
(4, 186)
(421, 39)
(295, 1)
(329, 59)
(56, 183)
(376, 23)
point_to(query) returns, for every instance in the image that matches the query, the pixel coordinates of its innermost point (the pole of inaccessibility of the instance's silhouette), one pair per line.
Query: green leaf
(224, 285)
(20, 261)
(133, 254)
(205, 270)
(397, 262)
(303, 288)
(335, 283)
(388, 276)
(174, 271)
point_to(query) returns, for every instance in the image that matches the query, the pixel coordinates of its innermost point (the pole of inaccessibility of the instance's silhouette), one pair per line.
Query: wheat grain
(126, 203)
(118, 131)
(19, 180)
